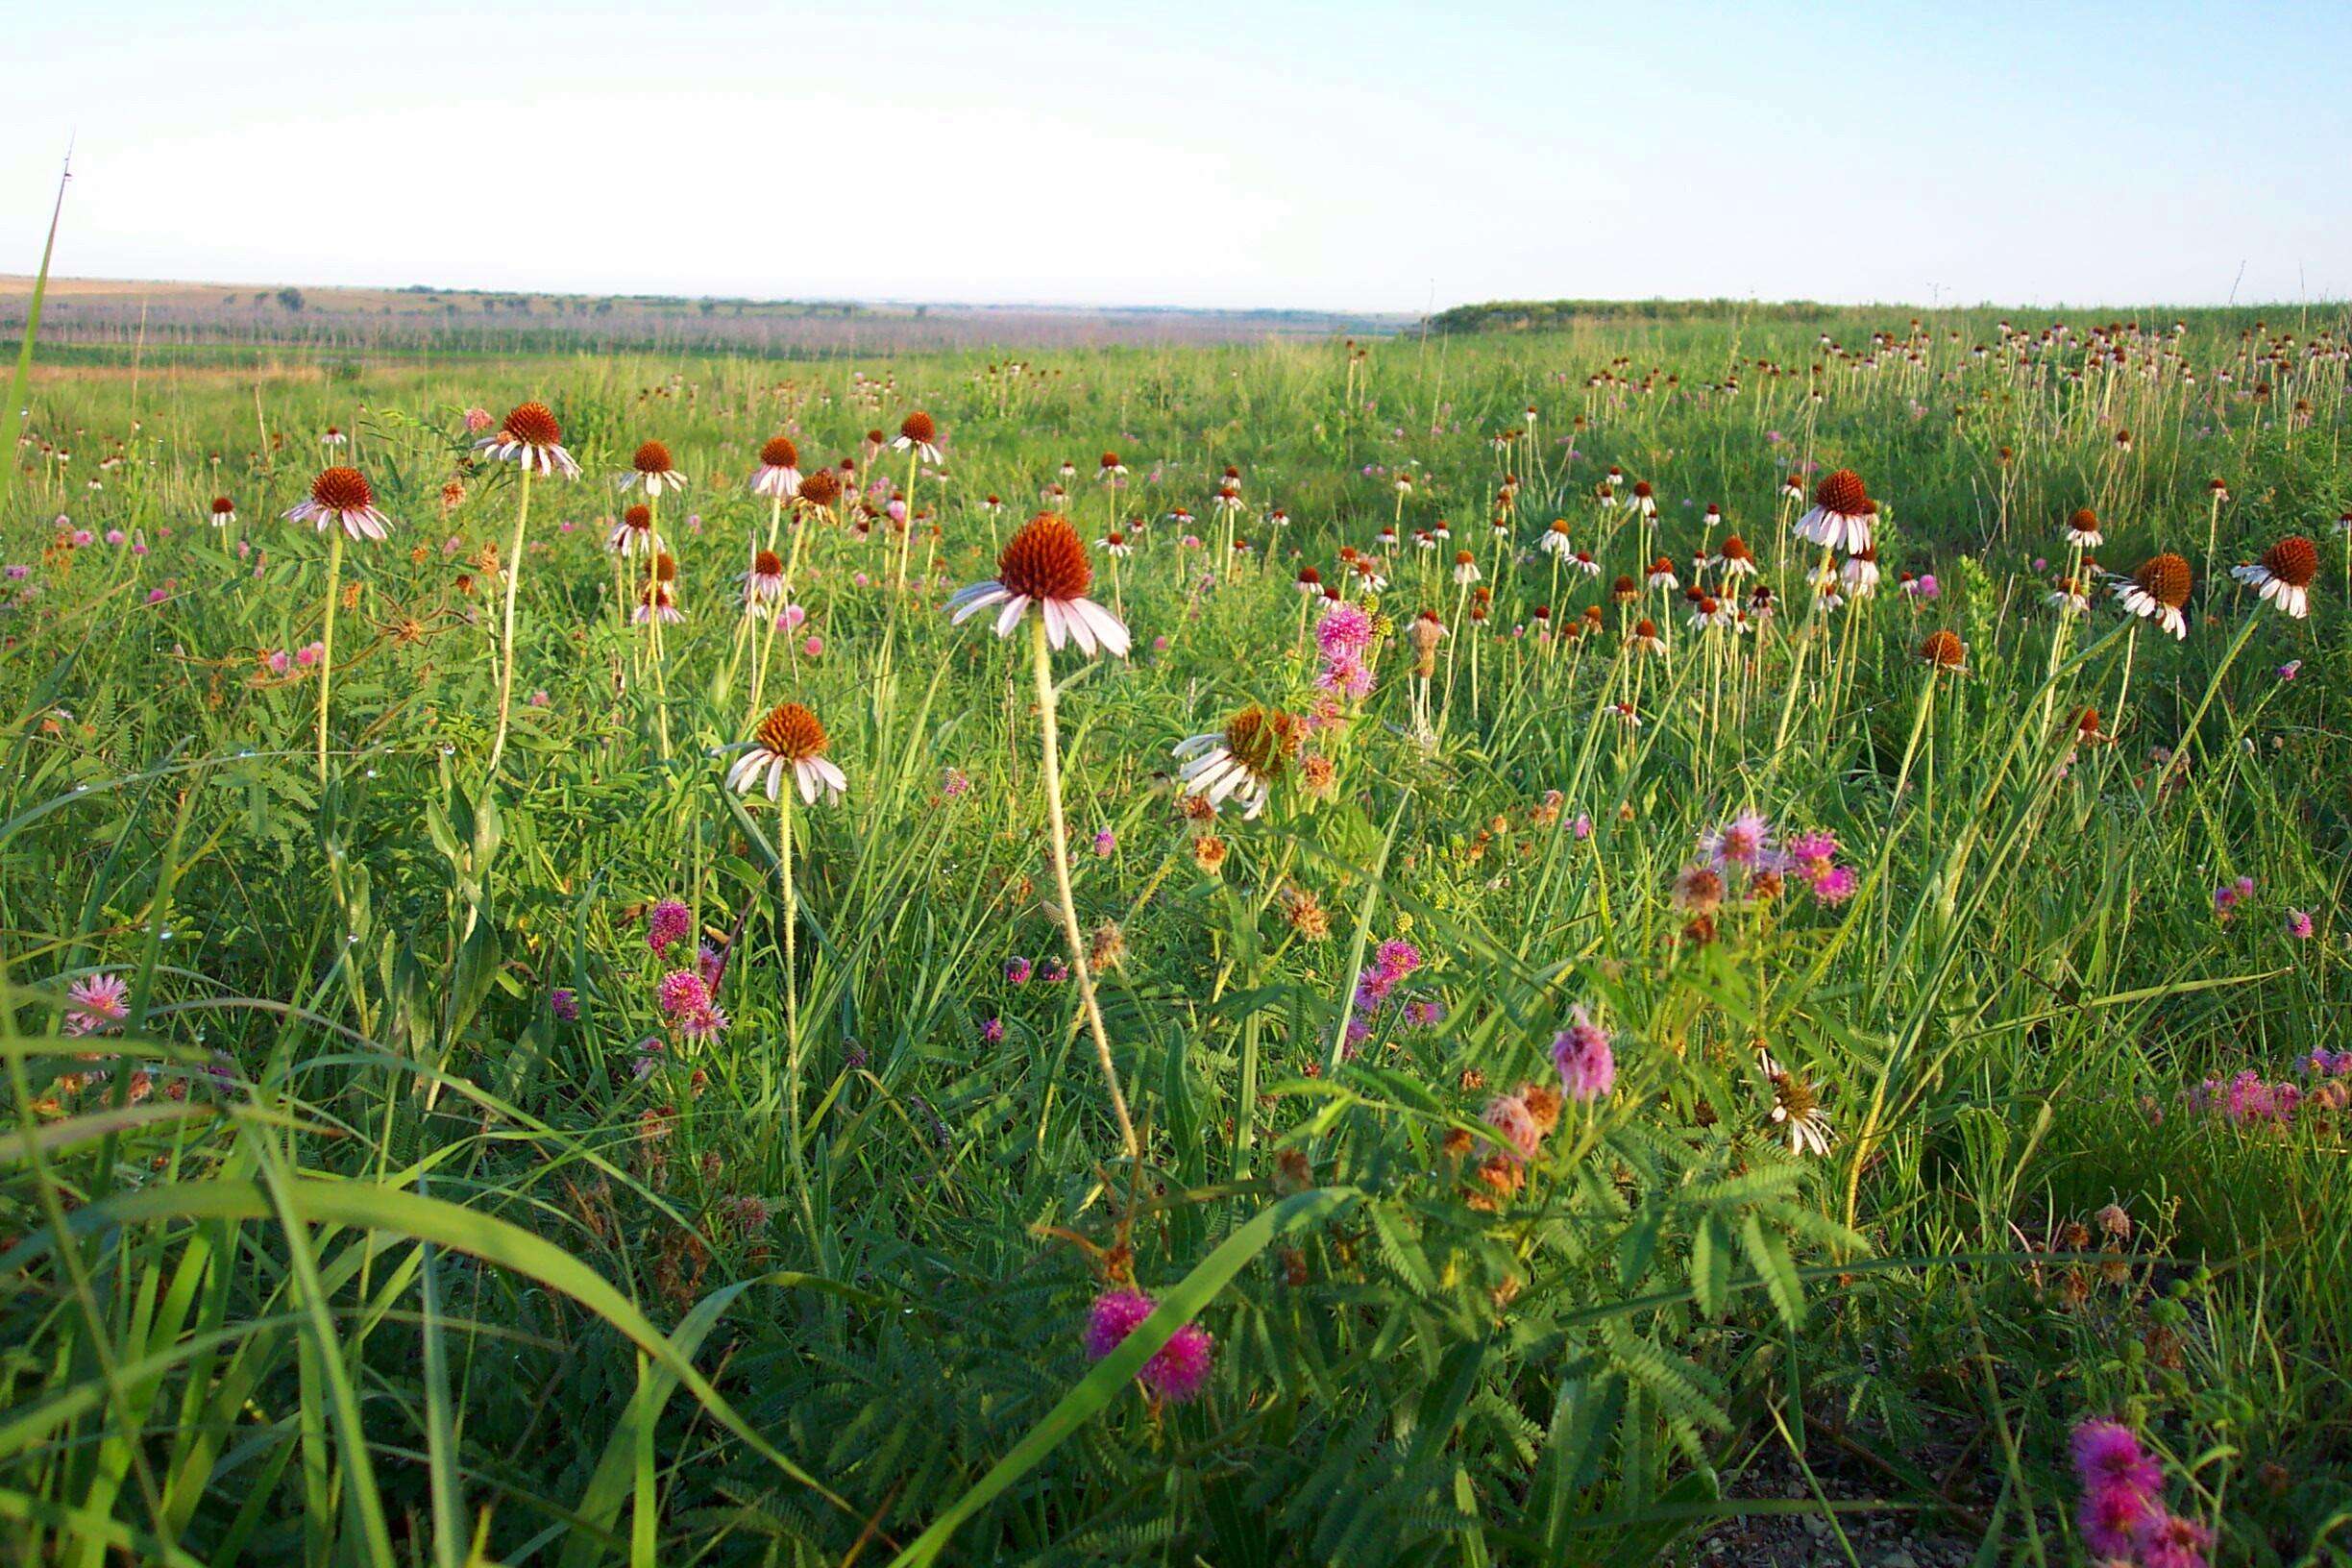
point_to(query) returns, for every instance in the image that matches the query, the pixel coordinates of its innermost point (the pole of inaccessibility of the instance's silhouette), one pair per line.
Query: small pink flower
(814, 647)
(477, 420)
(667, 921)
(539, 698)
(278, 662)
(310, 654)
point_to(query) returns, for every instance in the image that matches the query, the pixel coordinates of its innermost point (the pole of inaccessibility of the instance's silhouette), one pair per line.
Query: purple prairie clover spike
(1017, 971)
(565, 1005)
(667, 921)
(1105, 842)
(993, 1031)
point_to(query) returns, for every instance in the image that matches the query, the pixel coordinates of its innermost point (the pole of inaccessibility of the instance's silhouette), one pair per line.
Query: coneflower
(532, 439)
(820, 489)
(341, 504)
(1735, 559)
(2158, 592)
(1645, 499)
(1796, 1109)
(1044, 563)
(634, 534)
(919, 433)
(340, 498)
(1465, 568)
(2284, 574)
(778, 475)
(1645, 639)
(2083, 532)
(1244, 761)
(224, 511)
(1860, 573)
(1943, 650)
(651, 469)
(1841, 515)
(764, 582)
(788, 739)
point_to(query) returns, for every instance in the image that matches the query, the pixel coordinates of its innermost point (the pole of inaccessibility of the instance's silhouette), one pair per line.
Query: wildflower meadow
(1690, 937)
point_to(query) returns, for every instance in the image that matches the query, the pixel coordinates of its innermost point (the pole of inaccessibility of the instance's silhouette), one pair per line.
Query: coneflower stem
(1058, 842)
(334, 577)
(514, 579)
(792, 920)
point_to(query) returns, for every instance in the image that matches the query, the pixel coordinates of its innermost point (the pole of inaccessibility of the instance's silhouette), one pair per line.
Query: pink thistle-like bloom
(1509, 1115)
(99, 1004)
(1396, 958)
(705, 1022)
(1833, 884)
(681, 992)
(1743, 842)
(2107, 1453)
(667, 921)
(565, 1005)
(1587, 1066)
(2110, 1519)
(2298, 925)
(993, 1031)
(1344, 632)
(2167, 1540)
(710, 963)
(1106, 842)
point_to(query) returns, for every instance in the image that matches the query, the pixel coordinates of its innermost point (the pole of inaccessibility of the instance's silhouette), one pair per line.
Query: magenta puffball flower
(682, 992)
(1928, 587)
(1181, 1368)
(1587, 1066)
(993, 1031)
(791, 617)
(157, 596)
(114, 536)
(477, 420)
(2298, 925)
(1159, 645)
(1105, 842)
(2107, 1453)
(1017, 971)
(565, 1005)
(278, 662)
(539, 698)
(1113, 1317)
(667, 921)
(814, 647)
(2110, 1519)
(1176, 1371)
(310, 654)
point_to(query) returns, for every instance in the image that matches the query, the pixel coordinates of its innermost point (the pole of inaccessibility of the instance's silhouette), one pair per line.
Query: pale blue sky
(1370, 156)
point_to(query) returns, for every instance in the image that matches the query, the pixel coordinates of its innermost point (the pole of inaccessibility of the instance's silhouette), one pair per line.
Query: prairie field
(1580, 936)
